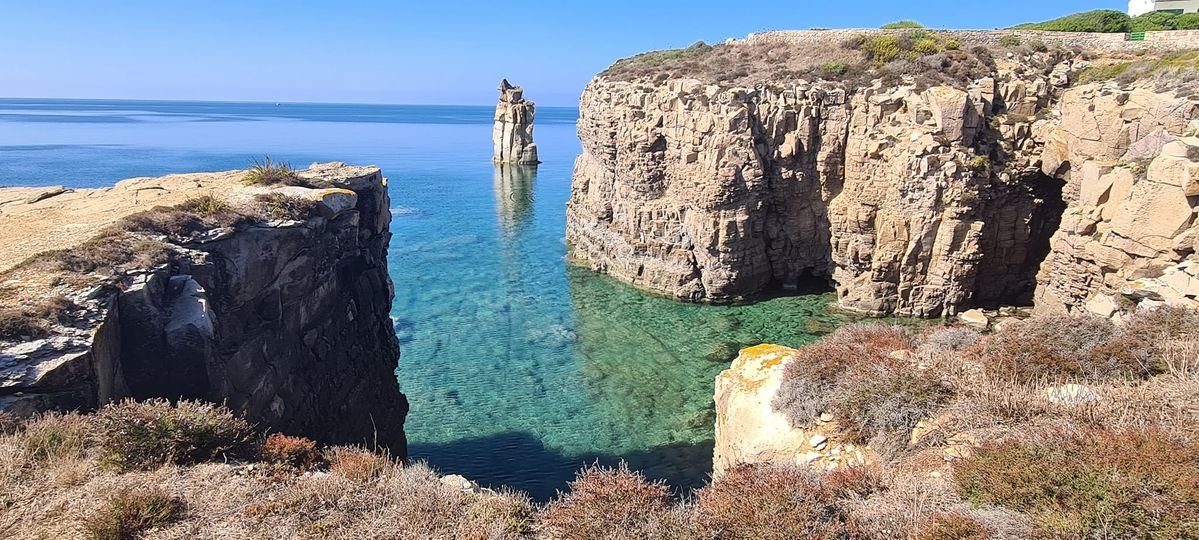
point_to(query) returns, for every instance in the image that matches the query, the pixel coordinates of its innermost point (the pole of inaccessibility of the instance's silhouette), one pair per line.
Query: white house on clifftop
(1141, 7)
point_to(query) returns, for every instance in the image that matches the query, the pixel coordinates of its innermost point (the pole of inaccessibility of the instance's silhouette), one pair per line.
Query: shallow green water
(519, 368)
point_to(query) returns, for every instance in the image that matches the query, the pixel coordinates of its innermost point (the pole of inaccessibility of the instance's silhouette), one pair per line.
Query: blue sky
(433, 52)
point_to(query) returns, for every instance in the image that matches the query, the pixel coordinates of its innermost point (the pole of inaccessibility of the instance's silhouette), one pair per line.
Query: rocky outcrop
(287, 322)
(909, 200)
(513, 131)
(750, 431)
(1130, 233)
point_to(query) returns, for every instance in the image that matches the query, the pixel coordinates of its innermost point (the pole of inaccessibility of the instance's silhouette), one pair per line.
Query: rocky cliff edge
(272, 299)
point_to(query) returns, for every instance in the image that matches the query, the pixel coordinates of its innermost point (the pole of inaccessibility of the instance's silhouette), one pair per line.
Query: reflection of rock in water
(514, 195)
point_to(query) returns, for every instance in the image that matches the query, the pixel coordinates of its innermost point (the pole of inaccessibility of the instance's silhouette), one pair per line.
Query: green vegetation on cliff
(1112, 21)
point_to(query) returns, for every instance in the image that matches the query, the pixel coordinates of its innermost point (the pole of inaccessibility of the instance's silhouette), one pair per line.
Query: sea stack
(513, 133)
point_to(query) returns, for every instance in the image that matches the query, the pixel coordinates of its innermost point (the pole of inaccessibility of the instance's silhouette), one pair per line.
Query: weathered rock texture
(513, 132)
(750, 431)
(287, 322)
(910, 200)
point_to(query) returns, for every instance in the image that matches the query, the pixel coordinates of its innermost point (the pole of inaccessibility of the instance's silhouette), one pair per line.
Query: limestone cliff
(287, 321)
(513, 131)
(917, 195)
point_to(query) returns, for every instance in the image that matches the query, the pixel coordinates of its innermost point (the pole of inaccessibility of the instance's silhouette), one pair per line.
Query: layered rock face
(909, 200)
(513, 131)
(286, 322)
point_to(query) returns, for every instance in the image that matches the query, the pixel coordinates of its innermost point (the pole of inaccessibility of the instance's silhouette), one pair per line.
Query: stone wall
(1117, 42)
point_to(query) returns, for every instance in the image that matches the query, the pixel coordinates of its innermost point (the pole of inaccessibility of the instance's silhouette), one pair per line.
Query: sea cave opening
(1021, 216)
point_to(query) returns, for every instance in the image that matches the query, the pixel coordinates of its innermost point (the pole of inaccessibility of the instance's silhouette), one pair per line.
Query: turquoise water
(519, 368)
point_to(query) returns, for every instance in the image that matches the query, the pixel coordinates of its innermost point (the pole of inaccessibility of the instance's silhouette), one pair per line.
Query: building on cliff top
(1141, 7)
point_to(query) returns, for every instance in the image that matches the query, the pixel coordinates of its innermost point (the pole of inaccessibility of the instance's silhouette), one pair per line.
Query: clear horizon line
(257, 102)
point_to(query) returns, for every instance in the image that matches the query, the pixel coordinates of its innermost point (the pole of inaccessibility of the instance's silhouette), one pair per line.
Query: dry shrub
(953, 526)
(132, 511)
(508, 514)
(902, 506)
(108, 252)
(854, 482)
(851, 373)
(611, 503)
(885, 399)
(152, 433)
(54, 436)
(269, 173)
(943, 339)
(358, 464)
(34, 320)
(205, 205)
(1112, 484)
(292, 452)
(771, 502)
(285, 207)
(1079, 347)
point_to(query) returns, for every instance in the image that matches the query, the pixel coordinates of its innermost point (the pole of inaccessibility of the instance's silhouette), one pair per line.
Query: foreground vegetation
(976, 438)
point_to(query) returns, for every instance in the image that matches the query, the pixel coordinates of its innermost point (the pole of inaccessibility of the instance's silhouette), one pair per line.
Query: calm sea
(519, 368)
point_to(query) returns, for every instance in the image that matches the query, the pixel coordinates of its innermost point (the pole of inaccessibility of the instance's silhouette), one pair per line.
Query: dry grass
(357, 464)
(285, 207)
(269, 173)
(130, 512)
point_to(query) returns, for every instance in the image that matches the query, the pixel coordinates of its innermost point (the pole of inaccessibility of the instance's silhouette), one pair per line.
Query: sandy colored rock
(749, 431)
(512, 135)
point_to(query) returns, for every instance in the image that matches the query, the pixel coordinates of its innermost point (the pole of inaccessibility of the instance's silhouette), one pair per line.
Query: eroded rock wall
(287, 322)
(910, 201)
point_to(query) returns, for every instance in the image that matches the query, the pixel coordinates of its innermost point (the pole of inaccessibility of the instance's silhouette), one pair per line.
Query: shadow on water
(545, 471)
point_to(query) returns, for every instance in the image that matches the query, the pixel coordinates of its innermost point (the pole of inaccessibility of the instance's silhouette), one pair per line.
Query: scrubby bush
(1038, 46)
(1081, 347)
(611, 503)
(148, 434)
(808, 380)
(1187, 21)
(132, 511)
(34, 321)
(292, 452)
(771, 502)
(205, 205)
(897, 25)
(834, 68)
(357, 464)
(926, 46)
(953, 526)
(286, 207)
(1154, 21)
(882, 49)
(885, 398)
(1010, 40)
(20, 323)
(949, 339)
(1109, 484)
(54, 436)
(269, 173)
(1101, 20)
(952, 44)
